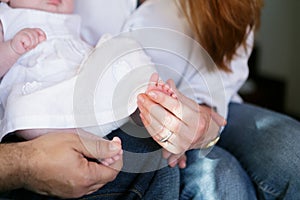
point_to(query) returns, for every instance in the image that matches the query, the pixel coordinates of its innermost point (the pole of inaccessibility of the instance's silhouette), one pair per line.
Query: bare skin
(158, 85)
(13, 49)
(56, 164)
(28, 38)
(193, 125)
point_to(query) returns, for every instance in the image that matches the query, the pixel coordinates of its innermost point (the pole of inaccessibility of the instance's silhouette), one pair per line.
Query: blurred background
(274, 80)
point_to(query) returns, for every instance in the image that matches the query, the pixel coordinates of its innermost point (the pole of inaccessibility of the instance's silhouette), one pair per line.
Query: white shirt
(103, 16)
(216, 89)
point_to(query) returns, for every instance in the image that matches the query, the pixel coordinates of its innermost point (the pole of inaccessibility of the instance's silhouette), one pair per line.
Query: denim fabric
(267, 145)
(216, 176)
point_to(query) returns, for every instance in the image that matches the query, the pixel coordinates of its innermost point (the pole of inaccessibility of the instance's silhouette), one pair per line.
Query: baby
(40, 47)
(42, 51)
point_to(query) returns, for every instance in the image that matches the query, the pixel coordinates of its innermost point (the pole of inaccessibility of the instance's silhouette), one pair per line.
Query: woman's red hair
(221, 26)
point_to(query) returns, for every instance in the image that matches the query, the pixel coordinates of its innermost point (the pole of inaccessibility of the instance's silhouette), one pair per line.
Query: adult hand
(57, 164)
(193, 126)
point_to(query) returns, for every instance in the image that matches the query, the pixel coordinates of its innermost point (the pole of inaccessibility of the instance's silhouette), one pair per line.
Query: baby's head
(55, 6)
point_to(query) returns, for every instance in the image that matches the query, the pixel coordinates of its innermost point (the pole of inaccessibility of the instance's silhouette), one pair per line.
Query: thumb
(97, 147)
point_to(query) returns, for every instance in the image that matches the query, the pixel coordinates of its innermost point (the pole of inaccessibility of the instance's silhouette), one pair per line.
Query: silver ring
(170, 133)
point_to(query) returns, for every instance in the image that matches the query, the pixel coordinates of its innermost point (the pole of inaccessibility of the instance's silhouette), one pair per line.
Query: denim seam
(265, 187)
(136, 192)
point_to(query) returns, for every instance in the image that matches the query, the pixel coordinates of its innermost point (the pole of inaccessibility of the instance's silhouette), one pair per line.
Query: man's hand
(27, 39)
(64, 164)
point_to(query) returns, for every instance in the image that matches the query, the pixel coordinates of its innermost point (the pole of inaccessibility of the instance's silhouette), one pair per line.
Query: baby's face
(55, 6)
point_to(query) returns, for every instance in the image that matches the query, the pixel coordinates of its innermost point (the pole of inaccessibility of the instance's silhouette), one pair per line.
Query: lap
(215, 176)
(266, 144)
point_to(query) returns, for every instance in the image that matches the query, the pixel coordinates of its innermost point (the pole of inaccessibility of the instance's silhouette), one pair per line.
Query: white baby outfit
(53, 60)
(47, 88)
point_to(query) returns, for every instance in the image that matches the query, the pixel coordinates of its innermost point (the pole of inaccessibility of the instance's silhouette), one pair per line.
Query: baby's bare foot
(157, 84)
(113, 159)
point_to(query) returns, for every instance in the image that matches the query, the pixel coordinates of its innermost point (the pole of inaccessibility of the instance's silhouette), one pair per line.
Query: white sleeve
(189, 68)
(103, 16)
(240, 70)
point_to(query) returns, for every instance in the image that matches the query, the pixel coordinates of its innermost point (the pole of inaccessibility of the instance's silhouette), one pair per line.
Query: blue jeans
(267, 145)
(216, 176)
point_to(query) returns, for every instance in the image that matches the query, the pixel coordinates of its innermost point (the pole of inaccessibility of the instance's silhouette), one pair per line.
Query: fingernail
(152, 94)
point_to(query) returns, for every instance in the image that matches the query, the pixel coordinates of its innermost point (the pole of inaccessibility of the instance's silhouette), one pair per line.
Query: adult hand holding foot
(178, 124)
(59, 164)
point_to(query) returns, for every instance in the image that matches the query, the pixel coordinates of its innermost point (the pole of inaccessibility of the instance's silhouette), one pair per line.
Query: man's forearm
(11, 160)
